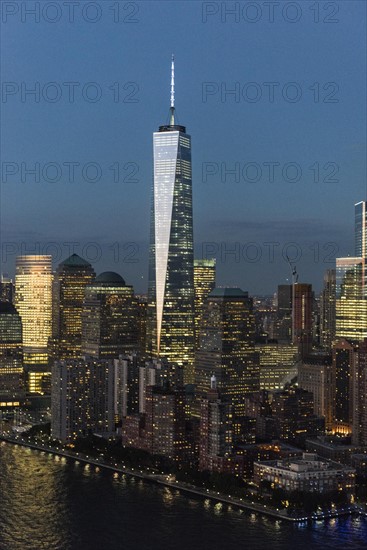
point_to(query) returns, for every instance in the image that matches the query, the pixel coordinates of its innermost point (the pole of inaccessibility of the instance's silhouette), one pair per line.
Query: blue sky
(318, 140)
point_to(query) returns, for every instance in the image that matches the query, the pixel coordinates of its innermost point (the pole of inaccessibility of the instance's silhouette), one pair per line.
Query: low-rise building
(310, 473)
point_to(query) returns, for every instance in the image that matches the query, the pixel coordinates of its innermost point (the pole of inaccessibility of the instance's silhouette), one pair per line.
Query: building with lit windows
(315, 375)
(110, 318)
(360, 232)
(327, 309)
(70, 280)
(216, 440)
(278, 364)
(170, 330)
(302, 318)
(33, 301)
(204, 283)
(6, 289)
(343, 368)
(83, 399)
(12, 388)
(351, 298)
(309, 473)
(227, 349)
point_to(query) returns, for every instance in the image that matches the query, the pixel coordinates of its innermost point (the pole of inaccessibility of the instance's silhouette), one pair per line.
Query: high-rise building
(83, 399)
(343, 369)
(315, 376)
(302, 317)
(283, 325)
(70, 280)
(110, 318)
(204, 283)
(227, 349)
(6, 289)
(12, 388)
(216, 439)
(359, 389)
(360, 229)
(278, 364)
(33, 301)
(170, 331)
(327, 309)
(351, 298)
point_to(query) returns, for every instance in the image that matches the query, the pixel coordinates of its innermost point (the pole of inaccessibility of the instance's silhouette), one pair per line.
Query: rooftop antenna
(172, 107)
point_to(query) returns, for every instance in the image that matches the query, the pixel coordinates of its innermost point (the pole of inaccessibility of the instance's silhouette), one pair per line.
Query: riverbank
(168, 481)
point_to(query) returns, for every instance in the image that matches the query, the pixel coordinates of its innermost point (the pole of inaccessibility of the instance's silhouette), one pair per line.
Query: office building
(70, 281)
(351, 299)
(278, 364)
(328, 309)
(33, 301)
(12, 388)
(170, 330)
(315, 375)
(302, 299)
(6, 289)
(204, 283)
(227, 349)
(110, 318)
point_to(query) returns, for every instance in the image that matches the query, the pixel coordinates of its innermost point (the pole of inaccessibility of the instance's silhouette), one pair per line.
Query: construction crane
(294, 272)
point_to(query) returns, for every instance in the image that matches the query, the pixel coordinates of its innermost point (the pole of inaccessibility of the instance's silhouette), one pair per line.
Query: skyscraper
(351, 298)
(6, 289)
(110, 318)
(227, 349)
(302, 317)
(360, 229)
(170, 331)
(327, 309)
(33, 301)
(70, 280)
(204, 283)
(11, 357)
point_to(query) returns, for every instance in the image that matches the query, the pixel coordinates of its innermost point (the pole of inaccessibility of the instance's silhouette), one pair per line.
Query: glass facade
(351, 298)
(110, 318)
(360, 229)
(170, 330)
(204, 283)
(70, 281)
(33, 301)
(227, 348)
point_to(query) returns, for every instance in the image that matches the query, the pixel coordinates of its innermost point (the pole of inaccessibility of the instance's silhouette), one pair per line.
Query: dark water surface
(48, 502)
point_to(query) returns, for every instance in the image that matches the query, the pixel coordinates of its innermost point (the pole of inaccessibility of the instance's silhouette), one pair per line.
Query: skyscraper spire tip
(172, 109)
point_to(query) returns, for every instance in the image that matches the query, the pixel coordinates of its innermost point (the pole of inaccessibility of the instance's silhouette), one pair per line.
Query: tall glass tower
(170, 331)
(360, 229)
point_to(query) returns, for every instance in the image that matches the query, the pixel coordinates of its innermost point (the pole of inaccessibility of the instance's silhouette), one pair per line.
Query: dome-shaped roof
(75, 261)
(111, 278)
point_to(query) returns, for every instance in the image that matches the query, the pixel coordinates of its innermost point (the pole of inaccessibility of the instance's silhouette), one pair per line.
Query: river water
(48, 502)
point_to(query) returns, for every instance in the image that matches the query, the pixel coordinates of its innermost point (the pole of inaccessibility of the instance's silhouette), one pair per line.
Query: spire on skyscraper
(172, 107)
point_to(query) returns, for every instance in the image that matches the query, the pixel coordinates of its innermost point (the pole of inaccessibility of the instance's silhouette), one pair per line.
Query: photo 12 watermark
(269, 171)
(69, 92)
(69, 11)
(270, 12)
(70, 171)
(116, 252)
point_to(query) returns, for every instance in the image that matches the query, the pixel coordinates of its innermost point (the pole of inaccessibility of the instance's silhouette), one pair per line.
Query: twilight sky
(275, 104)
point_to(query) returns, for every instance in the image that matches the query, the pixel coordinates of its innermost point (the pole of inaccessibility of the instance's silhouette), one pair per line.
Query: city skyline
(229, 214)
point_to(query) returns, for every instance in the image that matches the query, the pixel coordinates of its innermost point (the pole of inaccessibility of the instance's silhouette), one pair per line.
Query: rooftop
(228, 293)
(75, 261)
(110, 278)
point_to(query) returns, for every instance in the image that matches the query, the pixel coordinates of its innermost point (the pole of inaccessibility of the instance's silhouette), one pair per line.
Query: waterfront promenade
(168, 480)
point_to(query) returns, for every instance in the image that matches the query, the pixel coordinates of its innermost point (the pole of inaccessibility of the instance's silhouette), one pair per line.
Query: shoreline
(163, 480)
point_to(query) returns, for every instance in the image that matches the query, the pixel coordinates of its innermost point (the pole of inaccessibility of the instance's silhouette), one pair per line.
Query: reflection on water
(51, 503)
